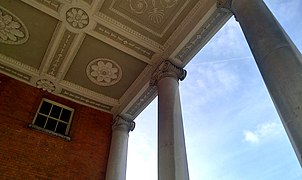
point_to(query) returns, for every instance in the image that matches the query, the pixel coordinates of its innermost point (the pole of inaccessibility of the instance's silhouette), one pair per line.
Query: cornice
(86, 92)
(12, 62)
(15, 73)
(203, 35)
(85, 100)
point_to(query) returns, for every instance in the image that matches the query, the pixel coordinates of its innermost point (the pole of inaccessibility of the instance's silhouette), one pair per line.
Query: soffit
(101, 53)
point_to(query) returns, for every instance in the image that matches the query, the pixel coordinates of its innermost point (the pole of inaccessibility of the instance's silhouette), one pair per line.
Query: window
(53, 118)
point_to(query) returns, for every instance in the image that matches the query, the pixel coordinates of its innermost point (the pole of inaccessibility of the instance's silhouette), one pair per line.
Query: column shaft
(279, 62)
(117, 162)
(172, 157)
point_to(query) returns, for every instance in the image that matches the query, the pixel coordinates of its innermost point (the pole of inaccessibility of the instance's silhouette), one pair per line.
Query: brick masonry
(26, 153)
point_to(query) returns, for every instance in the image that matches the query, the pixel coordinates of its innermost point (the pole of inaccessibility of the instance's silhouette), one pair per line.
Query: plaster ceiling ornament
(155, 12)
(104, 72)
(12, 30)
(45, 85)
(77, 18)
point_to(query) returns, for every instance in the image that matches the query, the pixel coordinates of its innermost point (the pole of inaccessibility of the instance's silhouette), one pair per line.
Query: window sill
(67, 138)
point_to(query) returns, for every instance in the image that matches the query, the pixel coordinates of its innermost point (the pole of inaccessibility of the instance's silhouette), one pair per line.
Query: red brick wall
(26, 153)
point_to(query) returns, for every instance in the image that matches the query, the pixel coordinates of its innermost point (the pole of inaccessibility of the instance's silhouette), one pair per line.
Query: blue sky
(232, 129)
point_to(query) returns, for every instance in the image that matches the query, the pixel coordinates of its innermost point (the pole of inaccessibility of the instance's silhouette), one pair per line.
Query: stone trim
(167, 69)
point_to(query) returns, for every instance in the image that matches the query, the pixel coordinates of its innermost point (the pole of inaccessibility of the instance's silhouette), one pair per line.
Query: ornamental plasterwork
(53, 4)
(156, 14)
(77, 18)
(61, 52)
(85, 100)
(141, 19)
(149, 93)
(88, 93)
(12, 29)
(15, 72)
(104, 72)
(45, 85)
(123, 40)
(203, 34)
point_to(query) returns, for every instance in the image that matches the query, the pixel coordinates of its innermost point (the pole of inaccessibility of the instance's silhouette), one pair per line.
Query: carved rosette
(77, 18)
(123, 124)
(45, 85)
(167, 69)
(104, 72)
(12, 29)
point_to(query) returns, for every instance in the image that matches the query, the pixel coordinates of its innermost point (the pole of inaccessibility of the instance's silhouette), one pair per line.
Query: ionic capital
(123, 124)
(167, 69)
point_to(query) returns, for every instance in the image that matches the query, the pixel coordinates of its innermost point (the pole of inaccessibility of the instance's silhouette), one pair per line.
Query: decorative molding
(61, 52)
(167, 69)
(198, 39)
(184, 24)
(15, 72)
(123, 40)
(134, 33)
(89, 93)
(46, 85)
(12, 29)
(52, 4)
(123, 124)
(77, 18)
(11, 61)
(85, 100)
(104, 72)
(150, 91)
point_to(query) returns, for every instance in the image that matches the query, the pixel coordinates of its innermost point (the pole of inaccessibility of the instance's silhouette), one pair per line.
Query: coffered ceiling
(101, 53)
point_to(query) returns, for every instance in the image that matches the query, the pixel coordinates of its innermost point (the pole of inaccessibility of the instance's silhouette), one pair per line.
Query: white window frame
(65, 135)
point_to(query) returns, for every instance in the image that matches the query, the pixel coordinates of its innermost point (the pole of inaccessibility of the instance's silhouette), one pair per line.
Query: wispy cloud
(262, 133)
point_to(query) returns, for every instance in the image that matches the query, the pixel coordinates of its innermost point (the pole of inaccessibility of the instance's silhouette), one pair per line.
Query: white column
(172, 157)
(117, 162)
(278, 59)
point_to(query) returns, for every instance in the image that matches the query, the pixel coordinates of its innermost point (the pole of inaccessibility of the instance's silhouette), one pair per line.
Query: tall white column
(172, 157)
(278, 59)
(117, 162)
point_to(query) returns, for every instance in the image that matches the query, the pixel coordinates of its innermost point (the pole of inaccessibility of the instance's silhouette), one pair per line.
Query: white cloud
(263, 132)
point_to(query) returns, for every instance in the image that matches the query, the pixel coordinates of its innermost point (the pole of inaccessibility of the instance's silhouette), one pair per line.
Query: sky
(232, 129)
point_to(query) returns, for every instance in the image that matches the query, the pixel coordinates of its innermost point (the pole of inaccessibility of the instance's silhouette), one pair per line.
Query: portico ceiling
(101, 53)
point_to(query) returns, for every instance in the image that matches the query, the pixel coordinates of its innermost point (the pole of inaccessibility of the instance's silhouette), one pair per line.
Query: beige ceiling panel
(154, 19)
(39, 27)
(103, 69)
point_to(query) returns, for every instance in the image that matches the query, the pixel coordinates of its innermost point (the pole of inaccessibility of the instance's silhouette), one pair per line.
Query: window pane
(51, 124)
(40, 120)
(61, 128)
(65, 115)
(55, 111)
(45, 108)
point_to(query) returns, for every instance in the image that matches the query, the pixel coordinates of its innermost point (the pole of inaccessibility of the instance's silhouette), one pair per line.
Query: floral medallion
(104, 72)
(12, 29)
(45, 85)
(153, 8)
(77, 18)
